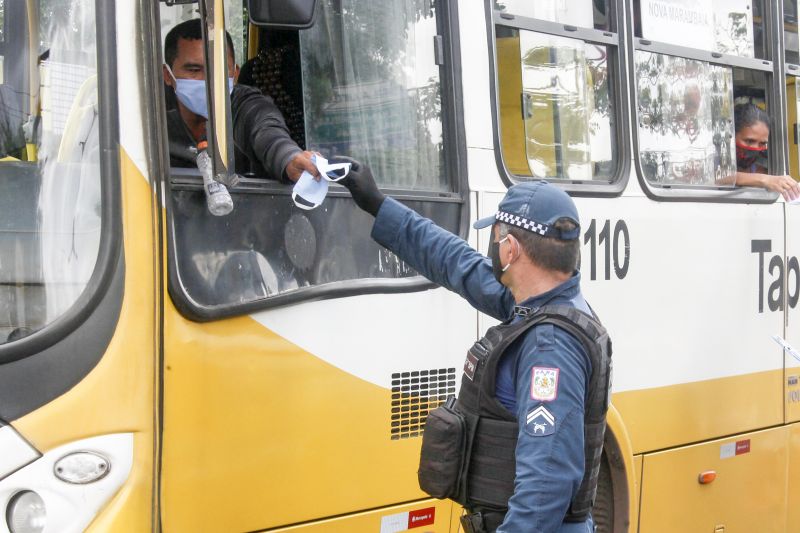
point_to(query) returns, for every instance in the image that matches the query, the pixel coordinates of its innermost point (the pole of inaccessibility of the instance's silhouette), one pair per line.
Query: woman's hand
(786, 185)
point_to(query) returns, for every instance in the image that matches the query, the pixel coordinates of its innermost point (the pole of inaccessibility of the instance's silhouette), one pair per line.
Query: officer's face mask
(494, 255)
(747, 156)
(192, 93)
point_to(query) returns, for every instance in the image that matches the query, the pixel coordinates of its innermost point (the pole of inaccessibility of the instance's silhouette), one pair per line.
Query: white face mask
(192, 93)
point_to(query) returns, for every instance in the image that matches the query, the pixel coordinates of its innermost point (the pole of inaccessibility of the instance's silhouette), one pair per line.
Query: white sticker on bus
(405, 521)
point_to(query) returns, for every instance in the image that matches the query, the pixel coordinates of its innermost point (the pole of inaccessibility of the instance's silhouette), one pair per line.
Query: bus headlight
(26, 513)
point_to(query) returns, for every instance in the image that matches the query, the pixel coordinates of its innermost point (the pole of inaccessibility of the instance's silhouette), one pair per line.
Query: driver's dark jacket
(549, 469)
(261, 138)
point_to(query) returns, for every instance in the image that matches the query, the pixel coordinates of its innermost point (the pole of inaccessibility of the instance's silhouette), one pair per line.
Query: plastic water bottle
(218, 198)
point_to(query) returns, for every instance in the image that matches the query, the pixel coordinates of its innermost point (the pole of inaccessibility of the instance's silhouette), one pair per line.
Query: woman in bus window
(752, 134)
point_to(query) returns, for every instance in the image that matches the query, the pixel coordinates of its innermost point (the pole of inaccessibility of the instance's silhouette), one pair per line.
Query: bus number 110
(616, 246)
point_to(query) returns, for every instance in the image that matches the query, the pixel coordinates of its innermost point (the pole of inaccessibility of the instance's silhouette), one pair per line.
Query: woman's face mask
(747, 156)
(192, 93)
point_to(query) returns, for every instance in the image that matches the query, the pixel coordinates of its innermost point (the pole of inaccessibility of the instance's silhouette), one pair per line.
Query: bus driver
(262, 141)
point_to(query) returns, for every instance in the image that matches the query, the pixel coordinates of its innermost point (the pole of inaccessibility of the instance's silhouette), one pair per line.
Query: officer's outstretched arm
(434, 252)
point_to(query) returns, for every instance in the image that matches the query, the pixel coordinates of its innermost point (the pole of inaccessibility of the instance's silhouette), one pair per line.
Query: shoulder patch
(540, 422)
(470, 365)
(544, 384)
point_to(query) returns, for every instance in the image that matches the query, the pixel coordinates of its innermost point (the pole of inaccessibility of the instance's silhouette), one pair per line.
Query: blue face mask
(192, 93)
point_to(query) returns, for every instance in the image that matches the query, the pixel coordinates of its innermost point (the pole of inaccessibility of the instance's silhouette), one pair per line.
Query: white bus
(162, 369)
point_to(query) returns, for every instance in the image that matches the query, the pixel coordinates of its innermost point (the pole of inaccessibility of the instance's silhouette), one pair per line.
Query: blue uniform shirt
(542, 377)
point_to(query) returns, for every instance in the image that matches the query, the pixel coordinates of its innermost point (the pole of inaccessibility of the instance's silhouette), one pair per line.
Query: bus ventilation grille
(416, 393)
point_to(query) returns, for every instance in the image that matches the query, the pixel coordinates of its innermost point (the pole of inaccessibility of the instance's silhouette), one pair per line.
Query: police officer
(547, 379)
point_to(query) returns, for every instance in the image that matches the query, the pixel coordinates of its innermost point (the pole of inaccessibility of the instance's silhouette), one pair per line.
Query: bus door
(301, 358)
(77, 351)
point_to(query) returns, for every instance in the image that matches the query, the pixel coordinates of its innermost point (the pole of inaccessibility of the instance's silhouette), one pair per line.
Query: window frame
(615, 41)
(775, 96)
(109, 253)
(793, 70)
(447, 51)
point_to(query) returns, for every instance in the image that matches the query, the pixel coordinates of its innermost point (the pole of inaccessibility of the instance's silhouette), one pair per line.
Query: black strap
(484, 521)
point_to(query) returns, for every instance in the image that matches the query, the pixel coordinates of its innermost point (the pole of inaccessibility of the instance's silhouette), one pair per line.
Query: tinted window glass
(372, 89)
(49, 163)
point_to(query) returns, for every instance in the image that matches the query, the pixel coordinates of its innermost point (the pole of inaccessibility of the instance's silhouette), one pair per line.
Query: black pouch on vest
(444, 450)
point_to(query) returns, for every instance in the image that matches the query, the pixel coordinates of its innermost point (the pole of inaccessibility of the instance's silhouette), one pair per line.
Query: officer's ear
(515, 246)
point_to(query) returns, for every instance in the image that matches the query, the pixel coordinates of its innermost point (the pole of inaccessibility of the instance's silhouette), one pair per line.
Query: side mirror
(282, 14)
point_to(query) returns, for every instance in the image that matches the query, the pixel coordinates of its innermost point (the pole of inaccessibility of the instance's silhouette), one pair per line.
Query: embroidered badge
(540, 422)
(544, 384)
(470, 365)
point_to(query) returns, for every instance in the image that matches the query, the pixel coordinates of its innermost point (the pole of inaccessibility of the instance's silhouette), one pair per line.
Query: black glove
(362, 185)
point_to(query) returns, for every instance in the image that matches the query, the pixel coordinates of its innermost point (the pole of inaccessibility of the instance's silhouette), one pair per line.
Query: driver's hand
(298, 164)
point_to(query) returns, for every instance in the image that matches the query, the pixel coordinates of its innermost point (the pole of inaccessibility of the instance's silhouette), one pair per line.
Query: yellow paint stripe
(665, 417)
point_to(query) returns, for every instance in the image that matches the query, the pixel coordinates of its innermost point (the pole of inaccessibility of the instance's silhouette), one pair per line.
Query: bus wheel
(603, 510)
(611, 512)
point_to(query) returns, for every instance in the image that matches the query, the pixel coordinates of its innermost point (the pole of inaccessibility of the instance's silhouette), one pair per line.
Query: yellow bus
(163, 369)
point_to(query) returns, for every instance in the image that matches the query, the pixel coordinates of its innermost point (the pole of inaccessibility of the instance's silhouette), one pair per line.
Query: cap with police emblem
(536, 206)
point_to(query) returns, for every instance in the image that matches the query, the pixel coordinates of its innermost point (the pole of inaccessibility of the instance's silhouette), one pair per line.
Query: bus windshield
(50, 201)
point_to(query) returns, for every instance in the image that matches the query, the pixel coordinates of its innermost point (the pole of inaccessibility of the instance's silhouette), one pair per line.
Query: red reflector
(421, 517)
(706, 477)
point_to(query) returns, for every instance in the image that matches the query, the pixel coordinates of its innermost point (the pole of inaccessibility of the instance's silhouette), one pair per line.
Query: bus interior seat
(81, 120)
(276, 73)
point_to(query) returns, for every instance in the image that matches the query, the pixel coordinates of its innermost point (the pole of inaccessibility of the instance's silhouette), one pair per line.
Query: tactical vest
(468, 450)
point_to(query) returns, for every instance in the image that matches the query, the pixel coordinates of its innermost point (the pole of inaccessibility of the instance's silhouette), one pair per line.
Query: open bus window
(50, 162)
(362, 82)
(693, 62)
(556, 98)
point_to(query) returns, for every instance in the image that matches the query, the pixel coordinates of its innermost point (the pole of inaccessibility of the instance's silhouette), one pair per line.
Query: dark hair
(547, 252)
(746, 115)
(190, 30)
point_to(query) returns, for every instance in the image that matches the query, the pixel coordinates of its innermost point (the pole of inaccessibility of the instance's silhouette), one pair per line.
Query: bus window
(693, 62)
(790, 34)
(235, 23)
(374, 90)
(364, 82)
(557, 93)
(2, 36)
(792, 48)
(685, 120)
(50, 203)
